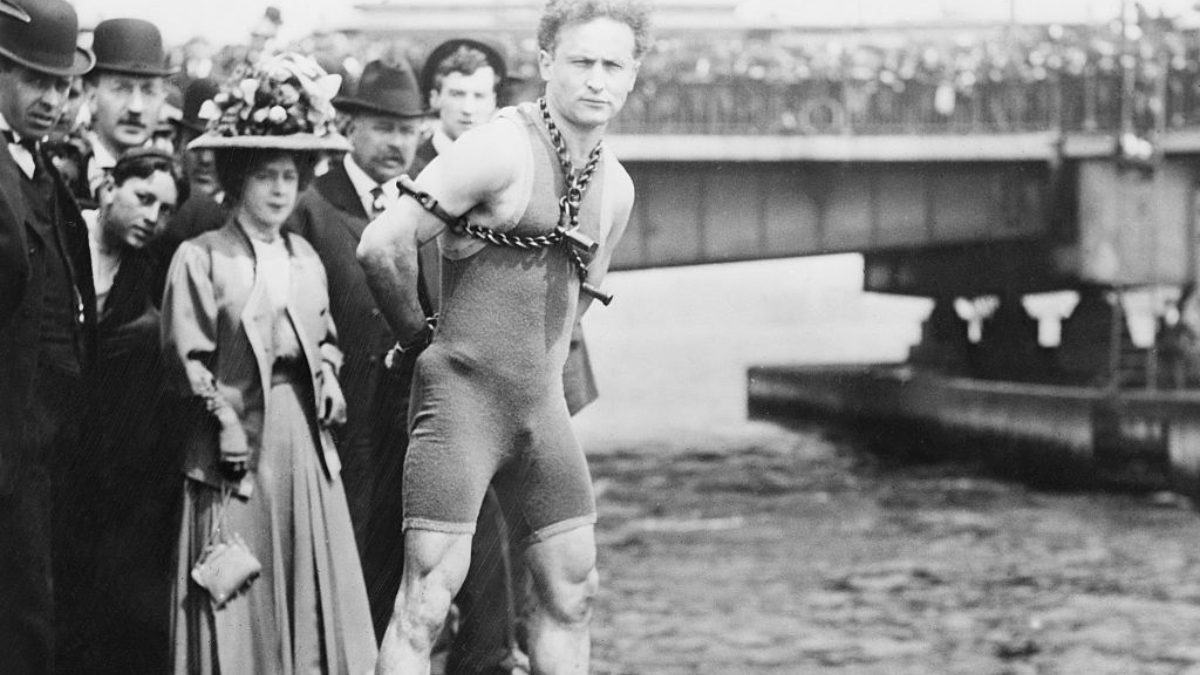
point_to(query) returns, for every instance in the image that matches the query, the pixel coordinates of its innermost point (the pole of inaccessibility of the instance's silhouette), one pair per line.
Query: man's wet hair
(561, 13)
(465, 60)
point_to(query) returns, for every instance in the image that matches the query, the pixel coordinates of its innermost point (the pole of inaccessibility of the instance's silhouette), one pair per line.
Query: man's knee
(565, 575)
(573, 601)
(435, 565)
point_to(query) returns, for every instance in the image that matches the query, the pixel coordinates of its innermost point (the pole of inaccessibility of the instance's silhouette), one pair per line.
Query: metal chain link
(568, 204)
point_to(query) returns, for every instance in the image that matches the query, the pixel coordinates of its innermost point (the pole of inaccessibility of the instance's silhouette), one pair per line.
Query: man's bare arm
(388, 255)
(473, 171)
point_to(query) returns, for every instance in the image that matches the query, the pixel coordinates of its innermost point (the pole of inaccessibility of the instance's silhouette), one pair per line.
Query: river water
(730, 546)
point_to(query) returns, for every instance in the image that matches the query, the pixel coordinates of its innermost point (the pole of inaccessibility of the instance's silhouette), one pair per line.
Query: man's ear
(106, 191)
(89, 96)
(545, 58)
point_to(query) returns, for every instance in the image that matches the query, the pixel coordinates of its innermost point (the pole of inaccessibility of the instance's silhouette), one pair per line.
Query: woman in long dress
(247, 323)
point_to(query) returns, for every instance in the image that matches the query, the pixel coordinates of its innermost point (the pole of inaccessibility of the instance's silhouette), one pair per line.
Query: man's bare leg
(565, 584)
(435, 565)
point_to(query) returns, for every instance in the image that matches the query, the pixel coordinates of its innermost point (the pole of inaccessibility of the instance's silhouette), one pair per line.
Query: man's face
(201, 168)
(134, 213)
(70, 115)
(125, 108)
(383, 146)
(591, 71)
(465, 101)
(32, 102)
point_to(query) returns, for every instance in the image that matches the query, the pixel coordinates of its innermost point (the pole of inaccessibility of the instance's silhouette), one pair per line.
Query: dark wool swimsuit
(488, 393)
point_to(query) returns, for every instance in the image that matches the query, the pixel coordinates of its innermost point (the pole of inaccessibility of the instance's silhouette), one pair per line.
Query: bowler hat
(385, 90)
(130, 47)
(194, 95)
(46, 42)
(443, 51)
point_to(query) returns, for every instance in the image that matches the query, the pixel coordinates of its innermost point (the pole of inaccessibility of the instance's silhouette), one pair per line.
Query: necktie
(378, 203)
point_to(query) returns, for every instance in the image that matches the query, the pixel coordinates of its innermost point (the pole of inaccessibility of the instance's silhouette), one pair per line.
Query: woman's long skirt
(307, 613)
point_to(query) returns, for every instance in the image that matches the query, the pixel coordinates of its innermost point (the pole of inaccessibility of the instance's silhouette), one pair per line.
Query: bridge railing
(1091, 101)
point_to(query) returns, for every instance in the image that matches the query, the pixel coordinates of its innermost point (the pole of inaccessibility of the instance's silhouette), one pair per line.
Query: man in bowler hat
(383, 118)
(126, 91)
(47, 320)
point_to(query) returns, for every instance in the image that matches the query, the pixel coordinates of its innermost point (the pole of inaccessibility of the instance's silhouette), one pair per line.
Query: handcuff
(391, 360)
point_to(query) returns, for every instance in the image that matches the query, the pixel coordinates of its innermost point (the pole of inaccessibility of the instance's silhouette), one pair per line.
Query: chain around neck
(560, 144)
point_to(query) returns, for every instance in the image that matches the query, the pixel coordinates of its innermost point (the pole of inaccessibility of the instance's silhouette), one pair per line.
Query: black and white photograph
(612, 337)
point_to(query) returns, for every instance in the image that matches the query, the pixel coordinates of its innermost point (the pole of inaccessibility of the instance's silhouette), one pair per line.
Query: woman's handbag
(226, 567)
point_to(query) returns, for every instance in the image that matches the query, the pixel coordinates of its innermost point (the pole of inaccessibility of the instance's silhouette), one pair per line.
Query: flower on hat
(288, 94)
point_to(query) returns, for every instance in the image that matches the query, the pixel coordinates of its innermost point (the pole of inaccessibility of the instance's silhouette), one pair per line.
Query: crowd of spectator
(1141, 77)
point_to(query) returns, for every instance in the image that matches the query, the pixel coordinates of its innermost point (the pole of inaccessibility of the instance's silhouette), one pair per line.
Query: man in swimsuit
(488, 394)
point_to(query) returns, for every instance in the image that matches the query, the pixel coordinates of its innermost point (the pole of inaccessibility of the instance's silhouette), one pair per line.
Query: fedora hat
(46, 42)
(443, 51)
(130, 47)
(283, 104)
(385, 90)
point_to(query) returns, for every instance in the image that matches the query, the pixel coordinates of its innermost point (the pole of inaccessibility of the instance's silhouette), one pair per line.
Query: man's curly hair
(561, 13)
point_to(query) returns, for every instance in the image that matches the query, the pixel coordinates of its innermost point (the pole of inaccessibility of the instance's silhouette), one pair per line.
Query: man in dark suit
(47, 343)
(383, 119)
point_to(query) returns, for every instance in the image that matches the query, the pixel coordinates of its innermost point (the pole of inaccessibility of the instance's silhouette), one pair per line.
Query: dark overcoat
(19, 334)
(26, 461)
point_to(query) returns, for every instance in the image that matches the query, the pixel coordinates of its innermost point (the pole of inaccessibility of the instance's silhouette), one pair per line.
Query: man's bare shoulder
(482, 161)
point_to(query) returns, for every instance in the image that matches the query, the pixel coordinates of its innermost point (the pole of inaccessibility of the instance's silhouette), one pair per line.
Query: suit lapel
(336, 188)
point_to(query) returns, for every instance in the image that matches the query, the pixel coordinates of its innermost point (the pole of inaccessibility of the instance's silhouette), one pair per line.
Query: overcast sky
(230, 20)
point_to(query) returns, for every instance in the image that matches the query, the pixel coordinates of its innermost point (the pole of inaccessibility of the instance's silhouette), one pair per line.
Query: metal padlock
(581, 241)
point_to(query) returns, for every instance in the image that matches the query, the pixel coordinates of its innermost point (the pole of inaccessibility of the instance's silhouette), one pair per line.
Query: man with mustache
(382, 120)
(126, 90)
(47, 321)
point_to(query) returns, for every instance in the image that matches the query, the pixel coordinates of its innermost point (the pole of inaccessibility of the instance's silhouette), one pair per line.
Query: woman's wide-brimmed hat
(284, 103)
(130, 47)
(44, 43)
(443, 51)
(389, 90)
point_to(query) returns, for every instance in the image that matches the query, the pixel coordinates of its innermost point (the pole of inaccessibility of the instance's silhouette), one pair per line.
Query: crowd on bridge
(911, 79)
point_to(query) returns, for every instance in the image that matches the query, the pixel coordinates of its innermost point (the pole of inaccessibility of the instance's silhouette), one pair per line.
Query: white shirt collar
(101, 157)
(364, 184)
(20, 153)
(100, 165)
(441, 140)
